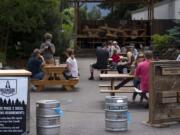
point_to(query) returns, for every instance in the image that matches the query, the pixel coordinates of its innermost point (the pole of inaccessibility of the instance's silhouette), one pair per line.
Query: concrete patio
(84, 109)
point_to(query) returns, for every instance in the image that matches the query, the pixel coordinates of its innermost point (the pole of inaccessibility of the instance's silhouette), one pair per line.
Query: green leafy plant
(68, 28)
(160, 44)
(160, 41)
(175, 33)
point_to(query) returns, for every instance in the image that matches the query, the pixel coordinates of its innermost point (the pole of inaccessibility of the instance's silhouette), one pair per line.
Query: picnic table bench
(54, 76)
(110, 88)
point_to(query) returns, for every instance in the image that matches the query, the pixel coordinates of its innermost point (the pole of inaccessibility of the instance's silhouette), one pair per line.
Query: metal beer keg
(48, 117)
(116, 108)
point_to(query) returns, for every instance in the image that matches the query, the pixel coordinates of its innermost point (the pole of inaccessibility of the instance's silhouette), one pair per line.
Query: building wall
(162, 11)
(169, 9)
(143, 15)
(177, 9)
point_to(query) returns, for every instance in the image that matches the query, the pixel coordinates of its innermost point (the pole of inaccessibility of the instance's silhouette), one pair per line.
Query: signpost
(14, 102)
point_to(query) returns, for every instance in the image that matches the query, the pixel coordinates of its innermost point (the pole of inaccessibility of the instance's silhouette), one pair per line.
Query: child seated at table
(72, 68)
(115, 59)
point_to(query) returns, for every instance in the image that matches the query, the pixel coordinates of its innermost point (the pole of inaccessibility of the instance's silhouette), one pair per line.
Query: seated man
(102, 55)
(35, 62)
(72, 67)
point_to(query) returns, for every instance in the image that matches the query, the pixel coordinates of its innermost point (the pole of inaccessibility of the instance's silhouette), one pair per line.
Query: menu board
(13, 103)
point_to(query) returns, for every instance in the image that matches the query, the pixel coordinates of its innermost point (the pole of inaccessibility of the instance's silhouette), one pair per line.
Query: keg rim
(54, 126)
(126, 110)
(50, 101)
(109, 129)
(118, 120)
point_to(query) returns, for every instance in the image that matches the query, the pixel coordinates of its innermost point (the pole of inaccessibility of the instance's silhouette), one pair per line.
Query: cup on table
(56, 60)
(125, 71)
(1, 66)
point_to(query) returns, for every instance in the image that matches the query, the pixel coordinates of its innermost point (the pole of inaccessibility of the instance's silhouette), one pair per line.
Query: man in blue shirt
(35, 62)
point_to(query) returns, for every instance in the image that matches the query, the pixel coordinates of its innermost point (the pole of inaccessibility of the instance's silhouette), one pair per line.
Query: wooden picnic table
(53, 75)
(113, 77)
(52, 70)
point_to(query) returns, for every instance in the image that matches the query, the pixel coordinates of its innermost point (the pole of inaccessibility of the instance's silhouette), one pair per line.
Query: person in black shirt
(102, 55)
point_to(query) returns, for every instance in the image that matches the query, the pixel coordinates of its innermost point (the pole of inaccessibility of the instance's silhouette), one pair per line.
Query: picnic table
(112, 78)
(53, 75)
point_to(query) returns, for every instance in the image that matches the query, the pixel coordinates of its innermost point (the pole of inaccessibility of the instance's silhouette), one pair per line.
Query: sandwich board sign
(13, 104)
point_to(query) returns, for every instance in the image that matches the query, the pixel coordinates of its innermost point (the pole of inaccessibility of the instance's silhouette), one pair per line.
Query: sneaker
(91, 78)
(137, 90)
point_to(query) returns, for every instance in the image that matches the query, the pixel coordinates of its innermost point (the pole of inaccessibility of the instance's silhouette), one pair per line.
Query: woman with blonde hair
(72, 66)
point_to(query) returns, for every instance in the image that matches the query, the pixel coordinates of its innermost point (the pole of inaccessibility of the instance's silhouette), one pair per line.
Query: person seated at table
(102, 55)
(178, 57)
(116, 46)
(110, 47)
(72, 67)
(115, 59)
(35, 62)
(128, 63)
(142, 73)
(135, 52)
(136, 81)
(48, 49)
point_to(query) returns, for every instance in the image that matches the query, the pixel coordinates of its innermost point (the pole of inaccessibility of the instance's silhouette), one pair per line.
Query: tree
(26, 21)
(68, 28)
(94, 14)
(84, 13)
(175, 33)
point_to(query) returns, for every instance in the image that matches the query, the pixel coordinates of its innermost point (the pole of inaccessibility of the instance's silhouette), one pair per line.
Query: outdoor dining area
(90, 67)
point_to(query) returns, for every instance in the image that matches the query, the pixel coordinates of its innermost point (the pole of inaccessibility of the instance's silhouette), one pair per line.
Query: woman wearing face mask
(48, 49)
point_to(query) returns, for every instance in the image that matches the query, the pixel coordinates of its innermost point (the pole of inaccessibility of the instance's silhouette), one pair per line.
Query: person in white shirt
(72, 66)
(135, 53)
(178, 58)
(116, 47)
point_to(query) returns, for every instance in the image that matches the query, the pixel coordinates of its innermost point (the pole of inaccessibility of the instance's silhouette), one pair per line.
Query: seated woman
(35, 62)
(127, 64)
(72, 67)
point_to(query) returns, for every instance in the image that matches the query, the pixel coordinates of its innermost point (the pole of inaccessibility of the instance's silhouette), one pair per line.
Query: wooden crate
(165, 97)
(164, 100)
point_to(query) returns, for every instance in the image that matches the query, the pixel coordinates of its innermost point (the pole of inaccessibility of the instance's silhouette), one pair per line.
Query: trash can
(116, 108)
(48, 117)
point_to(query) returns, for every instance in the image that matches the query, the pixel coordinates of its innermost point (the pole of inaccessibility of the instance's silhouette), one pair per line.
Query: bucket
(48, 117)
(116, 108)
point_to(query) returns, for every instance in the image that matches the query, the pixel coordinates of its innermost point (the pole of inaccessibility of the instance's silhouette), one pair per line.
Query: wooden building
(90, 34)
